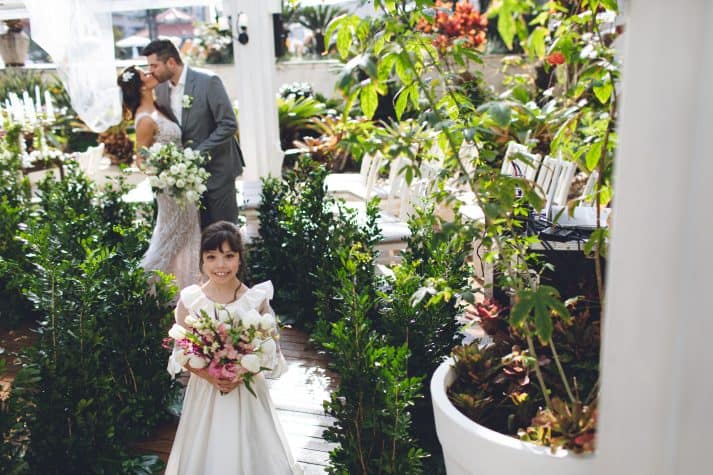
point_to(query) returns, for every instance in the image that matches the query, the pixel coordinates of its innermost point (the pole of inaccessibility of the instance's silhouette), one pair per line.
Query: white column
(657, 360)
(255, 71)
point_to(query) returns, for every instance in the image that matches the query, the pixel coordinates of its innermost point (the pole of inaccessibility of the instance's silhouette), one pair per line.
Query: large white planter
(471, 449)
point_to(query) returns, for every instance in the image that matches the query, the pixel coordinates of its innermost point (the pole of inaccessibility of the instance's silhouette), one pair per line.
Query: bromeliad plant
(544, 354)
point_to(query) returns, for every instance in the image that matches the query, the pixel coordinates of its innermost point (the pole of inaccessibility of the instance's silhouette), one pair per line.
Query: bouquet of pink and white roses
(232, 344)
(178, 172)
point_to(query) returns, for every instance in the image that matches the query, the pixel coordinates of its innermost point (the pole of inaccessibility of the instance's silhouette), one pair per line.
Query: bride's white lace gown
(236, 433)
(175, 242)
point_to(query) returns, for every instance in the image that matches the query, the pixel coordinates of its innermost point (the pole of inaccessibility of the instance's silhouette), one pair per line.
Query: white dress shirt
(177, 95)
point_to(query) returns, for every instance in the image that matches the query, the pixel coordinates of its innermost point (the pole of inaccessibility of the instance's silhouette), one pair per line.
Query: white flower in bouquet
(177, 332)
(192, 196)
(268, 348)
(191, 320)
(197, 362)
(178, 172)
(251, 318)
(251, 362)
(267, 321)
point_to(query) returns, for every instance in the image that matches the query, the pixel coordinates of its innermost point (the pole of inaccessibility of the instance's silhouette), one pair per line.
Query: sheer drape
(78, 35)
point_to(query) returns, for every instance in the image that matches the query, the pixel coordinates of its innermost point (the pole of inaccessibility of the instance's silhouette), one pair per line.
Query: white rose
(197, 362)
(170, 181)
(192, 196)
(268, 349)
(153, 180)
(267, 321)
(251, 318)
(202, 188)
(191, 320)
(189, 153)
(174, 169)
(251, 363)
(181, 167)
(177, 332)
(180, 183)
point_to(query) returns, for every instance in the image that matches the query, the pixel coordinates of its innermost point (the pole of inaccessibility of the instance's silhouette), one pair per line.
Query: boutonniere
(187, 101)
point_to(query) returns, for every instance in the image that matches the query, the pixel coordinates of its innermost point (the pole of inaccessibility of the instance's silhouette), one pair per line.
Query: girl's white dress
(236, 433)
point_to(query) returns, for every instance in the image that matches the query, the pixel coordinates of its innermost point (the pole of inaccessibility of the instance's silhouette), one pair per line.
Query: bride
(176, 238)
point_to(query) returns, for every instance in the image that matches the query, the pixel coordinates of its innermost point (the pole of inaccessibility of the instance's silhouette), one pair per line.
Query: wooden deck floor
(298, 396)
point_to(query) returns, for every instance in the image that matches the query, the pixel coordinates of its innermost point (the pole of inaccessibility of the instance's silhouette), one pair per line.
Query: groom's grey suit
(209, 125)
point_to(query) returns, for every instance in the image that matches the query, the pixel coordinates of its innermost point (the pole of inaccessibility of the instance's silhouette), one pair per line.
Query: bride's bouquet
(176, 171)
(233, 345)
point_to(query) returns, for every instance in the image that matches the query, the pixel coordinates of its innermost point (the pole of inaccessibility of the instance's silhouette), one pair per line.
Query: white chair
(584, 215)
(362, 185)
(554, 181)
(249, 198)
(520, 162)
(90, 160)
(587, 197)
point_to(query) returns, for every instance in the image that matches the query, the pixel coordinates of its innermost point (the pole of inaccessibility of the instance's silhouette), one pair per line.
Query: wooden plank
(310, 469)
(312, 456)
(311, 443)
(305, 418)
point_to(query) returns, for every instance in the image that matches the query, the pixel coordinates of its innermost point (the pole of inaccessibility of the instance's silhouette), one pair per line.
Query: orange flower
(555, 58)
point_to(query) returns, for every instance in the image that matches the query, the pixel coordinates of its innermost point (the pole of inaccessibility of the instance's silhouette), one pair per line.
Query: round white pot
(472, 449)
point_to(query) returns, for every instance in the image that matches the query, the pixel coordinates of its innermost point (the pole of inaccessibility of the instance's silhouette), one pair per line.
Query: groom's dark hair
(163, 49)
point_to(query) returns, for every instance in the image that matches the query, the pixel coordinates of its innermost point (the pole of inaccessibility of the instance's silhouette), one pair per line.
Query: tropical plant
(575, 119)
(295, 116)
(316, 19)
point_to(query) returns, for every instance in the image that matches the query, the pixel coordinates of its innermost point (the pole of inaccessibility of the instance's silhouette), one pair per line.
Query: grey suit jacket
(208, 125)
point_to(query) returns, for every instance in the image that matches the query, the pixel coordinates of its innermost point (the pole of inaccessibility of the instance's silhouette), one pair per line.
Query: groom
(198, 102)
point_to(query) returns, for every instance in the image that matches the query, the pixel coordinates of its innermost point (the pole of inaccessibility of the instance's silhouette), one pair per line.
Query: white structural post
(657, 359)
(255, 72)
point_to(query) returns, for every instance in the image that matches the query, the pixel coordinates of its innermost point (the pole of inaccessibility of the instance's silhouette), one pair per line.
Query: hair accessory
(127, 76)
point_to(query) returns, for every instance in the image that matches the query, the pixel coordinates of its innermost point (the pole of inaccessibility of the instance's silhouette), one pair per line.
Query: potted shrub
(489, 392)
(534, 373)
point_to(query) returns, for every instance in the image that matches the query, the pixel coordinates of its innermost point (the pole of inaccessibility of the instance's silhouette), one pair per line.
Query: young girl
(233, 432)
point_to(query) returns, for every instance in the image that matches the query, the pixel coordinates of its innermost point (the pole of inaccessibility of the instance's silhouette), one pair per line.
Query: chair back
(586, 199)
(90, 159)
(520, 162)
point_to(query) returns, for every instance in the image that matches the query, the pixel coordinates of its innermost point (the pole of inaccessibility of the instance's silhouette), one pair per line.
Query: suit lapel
(187, 91)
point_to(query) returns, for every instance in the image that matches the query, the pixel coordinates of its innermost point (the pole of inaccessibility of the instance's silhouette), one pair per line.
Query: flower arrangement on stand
(178, 172)
(233, 345)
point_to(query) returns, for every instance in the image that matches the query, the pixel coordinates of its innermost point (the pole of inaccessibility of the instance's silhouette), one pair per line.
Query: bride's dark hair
(215, 235)
(130, 83)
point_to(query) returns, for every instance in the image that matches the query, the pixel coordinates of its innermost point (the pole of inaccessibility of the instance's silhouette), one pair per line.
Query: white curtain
(78, 35)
